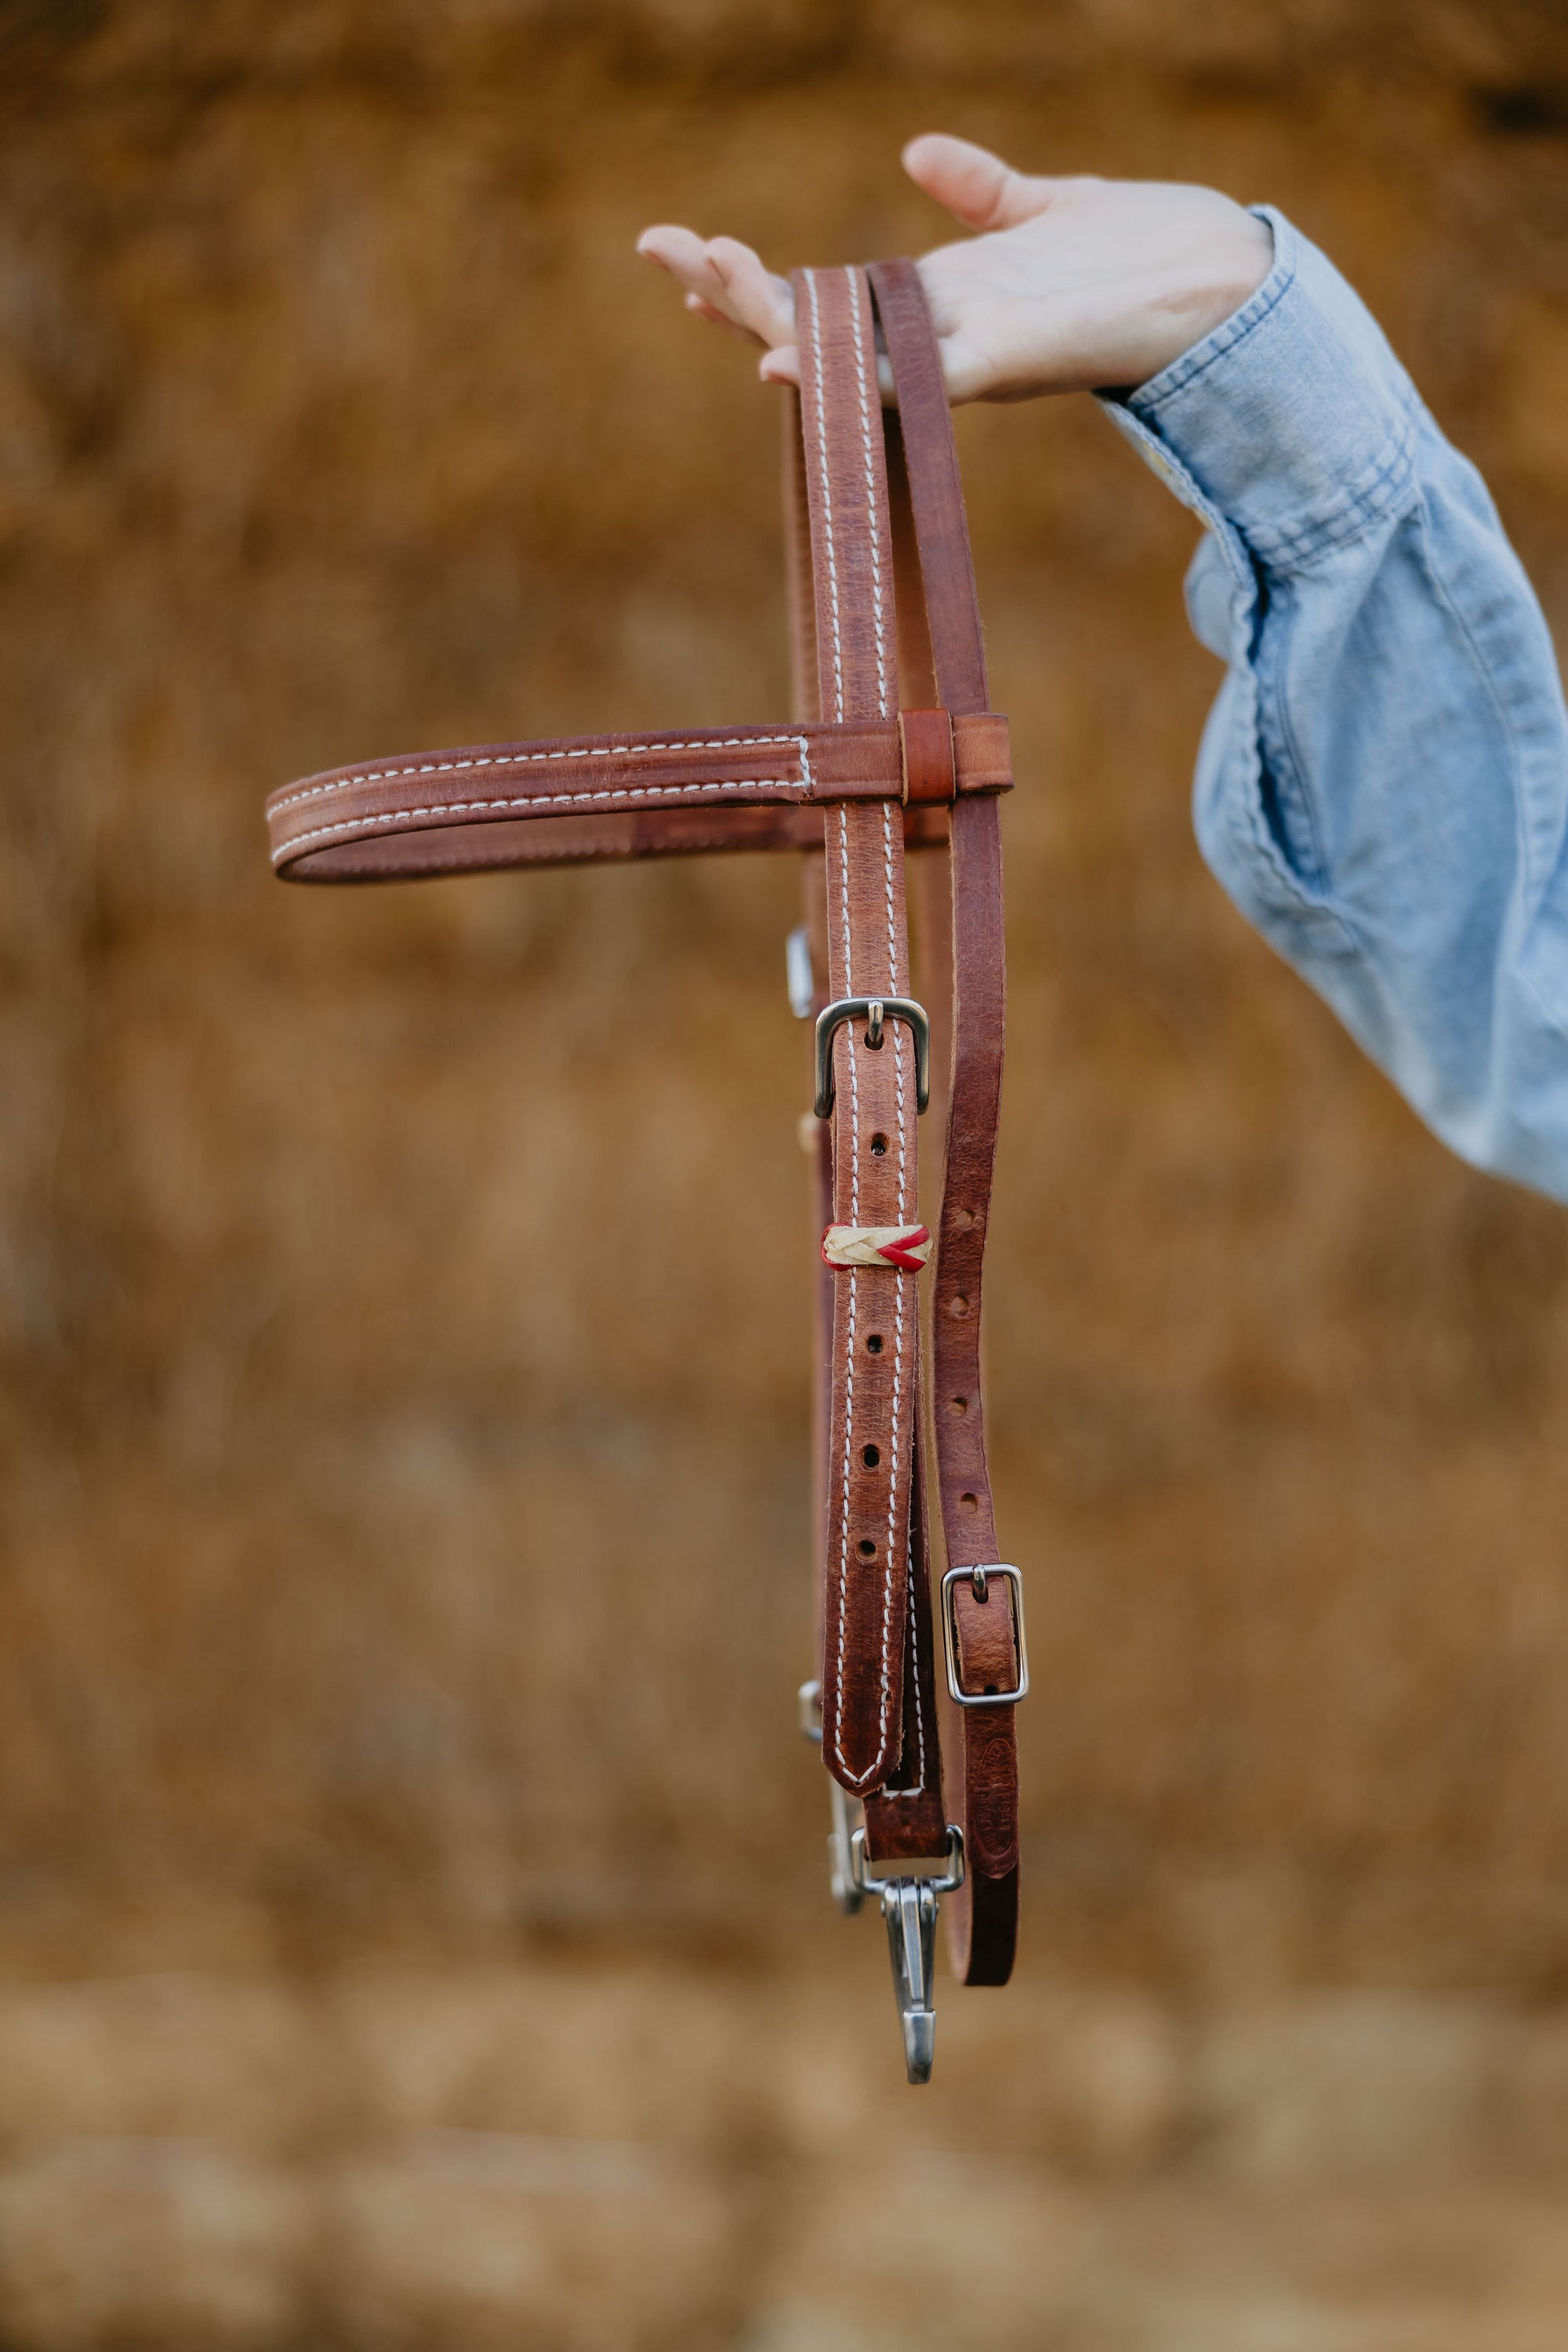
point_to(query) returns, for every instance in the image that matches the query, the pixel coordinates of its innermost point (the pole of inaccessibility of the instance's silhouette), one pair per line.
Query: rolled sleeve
(1383, 785)
(1293, 418)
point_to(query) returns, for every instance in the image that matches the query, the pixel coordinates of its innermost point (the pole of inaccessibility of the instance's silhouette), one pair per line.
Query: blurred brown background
(413, 1931)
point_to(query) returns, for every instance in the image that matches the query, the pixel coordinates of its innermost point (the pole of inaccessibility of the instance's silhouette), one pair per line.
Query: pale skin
(1068, 285)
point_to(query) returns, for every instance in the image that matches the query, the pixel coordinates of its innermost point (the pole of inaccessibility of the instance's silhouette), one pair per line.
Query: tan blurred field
(410, 1879)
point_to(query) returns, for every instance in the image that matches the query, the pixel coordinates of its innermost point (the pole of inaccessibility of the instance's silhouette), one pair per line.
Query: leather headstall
(888, 780)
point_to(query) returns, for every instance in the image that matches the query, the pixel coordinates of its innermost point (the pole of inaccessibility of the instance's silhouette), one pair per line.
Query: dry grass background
(410, 1881)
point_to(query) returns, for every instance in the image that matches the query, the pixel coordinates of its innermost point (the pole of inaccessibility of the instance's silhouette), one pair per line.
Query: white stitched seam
(529, 759)
(849, 1349)
(822, 476)
(859, 1778)
(857, 298)
(918, 1788)
(893, 979)
(849, 991)
(893, 1475)
(291, 847)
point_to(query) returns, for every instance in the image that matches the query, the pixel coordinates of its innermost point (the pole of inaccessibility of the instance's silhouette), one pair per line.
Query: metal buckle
(799, 978)
(910, 1908)
(846, 1891)
(873, 1011)
(979, 1578)
(948, 1883)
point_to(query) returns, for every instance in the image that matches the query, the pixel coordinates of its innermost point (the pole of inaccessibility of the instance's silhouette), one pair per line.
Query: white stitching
(291, 847)
(529, 759)
(849, 1350)
(812, 350)
(857, 296)
(826, 487)
(893, 977)
(898, 1290)
(918, 1788)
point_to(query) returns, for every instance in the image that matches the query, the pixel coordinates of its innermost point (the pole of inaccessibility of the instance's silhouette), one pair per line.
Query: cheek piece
(887, 784)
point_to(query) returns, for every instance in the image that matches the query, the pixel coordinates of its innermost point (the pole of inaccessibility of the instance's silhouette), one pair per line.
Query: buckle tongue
(874, 1011)
(978, 1582)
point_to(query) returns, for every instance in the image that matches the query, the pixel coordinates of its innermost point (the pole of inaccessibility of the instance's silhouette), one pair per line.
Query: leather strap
(982, 1921)
(483, 805)
(909, 1818)
(874, 1401)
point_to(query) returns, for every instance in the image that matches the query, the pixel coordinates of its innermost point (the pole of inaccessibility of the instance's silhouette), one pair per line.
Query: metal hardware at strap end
(799, 978)
(978, 1582)
(841, 1880)
(910, 1907)
(909, 1914)
(948, 1882)
(874, 1011)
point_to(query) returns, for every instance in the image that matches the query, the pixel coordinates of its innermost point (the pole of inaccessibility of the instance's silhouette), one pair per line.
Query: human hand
(1071, 285)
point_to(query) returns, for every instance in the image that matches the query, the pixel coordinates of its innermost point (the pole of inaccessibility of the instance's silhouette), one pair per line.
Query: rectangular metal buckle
(874, 1011)
(979, 1578)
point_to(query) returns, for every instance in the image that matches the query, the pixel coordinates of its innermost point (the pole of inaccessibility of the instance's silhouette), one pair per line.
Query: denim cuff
(1293, 419)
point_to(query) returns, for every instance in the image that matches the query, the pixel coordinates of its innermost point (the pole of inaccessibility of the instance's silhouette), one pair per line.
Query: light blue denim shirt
(1383, 785)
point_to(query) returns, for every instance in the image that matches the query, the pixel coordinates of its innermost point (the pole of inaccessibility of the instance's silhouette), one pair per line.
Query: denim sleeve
(1383, 785)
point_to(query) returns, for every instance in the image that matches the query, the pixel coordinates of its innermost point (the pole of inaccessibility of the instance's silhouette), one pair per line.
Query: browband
(494, 804)
(887, 776)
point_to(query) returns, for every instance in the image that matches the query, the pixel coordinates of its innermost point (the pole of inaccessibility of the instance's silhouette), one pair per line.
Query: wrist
(1293, 419)
(1231, 276)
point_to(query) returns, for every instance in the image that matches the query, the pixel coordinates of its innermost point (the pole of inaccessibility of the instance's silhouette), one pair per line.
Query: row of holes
(867, 1549)
(874, 1347)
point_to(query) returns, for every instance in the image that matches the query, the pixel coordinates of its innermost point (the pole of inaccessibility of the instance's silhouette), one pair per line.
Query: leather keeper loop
(930, 767)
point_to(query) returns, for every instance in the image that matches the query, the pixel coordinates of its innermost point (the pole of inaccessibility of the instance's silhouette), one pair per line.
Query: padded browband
(499, 804)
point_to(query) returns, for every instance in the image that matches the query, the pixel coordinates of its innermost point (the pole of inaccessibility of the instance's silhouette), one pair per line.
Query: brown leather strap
(453, 811)
(983, 1924)
(875, 1393)
(908, 1819)
(804, 702)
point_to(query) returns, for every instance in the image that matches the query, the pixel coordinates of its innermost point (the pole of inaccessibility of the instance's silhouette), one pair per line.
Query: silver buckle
(910, 1908)
(799, 978)
(841, 1881)
(873, 1011)
(979, 1579)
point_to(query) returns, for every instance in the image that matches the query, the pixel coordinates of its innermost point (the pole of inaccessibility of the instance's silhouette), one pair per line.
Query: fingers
(976, 186)
(966, 370)
(716, 318)
(724, 281)
(678, 250)
(752, 295)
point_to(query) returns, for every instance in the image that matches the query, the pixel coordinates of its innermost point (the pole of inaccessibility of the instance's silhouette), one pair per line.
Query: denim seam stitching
(1358, 510)
(1272, 687)
(1249, 828)
(1441, 590)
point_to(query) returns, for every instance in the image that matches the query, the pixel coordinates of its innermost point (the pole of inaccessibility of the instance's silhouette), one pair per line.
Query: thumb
(976, 186)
